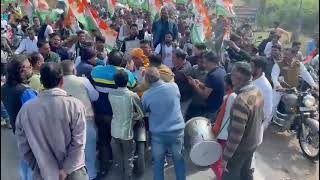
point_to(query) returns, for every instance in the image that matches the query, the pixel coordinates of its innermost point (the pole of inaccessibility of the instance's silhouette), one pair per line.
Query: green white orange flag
(91, 21)
(202, 27)
(224, 8)
(111, 5)
(154, 8)
(77, 8)
(41, 9)
(110, 34)
(197, 35)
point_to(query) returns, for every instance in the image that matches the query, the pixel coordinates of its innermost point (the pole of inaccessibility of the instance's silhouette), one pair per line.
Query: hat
(87, 53)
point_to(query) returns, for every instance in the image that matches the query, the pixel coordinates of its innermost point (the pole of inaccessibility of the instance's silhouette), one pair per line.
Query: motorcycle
(140, 137)
(297, 112)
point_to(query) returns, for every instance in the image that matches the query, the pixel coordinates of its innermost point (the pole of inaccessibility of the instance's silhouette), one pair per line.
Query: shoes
(3, 122)
(165, 162)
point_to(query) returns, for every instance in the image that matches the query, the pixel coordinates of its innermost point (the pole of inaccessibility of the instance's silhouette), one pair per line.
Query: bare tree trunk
(297, 31)
(261, 11)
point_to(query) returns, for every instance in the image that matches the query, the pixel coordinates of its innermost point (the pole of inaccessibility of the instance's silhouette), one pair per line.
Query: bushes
(286, 12)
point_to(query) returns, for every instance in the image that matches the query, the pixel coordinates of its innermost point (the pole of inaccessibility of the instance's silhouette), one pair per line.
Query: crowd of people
(67, 98)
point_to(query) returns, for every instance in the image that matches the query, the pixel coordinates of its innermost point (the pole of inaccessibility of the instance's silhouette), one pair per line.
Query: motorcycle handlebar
(293, 90)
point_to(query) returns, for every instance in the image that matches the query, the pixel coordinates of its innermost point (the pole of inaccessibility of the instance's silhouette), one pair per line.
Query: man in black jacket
(235, 52)
(135, 35)
(263, 44)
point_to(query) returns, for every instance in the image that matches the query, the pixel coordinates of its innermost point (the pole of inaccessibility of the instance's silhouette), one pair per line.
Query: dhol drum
(200, 141)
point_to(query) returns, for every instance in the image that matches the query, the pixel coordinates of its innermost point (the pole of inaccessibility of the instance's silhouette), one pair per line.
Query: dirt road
(278, 158)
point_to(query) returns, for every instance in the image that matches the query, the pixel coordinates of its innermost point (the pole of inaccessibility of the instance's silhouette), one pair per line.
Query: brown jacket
(290, 73)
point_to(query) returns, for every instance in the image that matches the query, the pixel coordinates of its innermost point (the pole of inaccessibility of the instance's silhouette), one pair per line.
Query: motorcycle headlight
(309, 101)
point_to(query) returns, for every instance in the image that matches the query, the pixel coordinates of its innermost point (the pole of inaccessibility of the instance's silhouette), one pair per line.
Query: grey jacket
(51, 134)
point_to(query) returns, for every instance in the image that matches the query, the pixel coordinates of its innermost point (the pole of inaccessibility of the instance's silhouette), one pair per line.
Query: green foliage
(287, 12)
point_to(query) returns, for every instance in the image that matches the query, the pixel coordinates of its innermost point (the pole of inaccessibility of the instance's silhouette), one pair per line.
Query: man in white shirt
(82, 89)
(262, 83)
(166, 50)
(290, 69)
(4, 24)
(49, 29)
(275, 40)
(29, 44)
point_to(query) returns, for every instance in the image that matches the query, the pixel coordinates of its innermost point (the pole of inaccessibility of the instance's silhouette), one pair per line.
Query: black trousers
(103, 123)
(239, 167)
(3, 69)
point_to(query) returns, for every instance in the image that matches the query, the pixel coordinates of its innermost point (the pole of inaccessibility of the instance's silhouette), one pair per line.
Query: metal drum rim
(205, 141)
(194, 118)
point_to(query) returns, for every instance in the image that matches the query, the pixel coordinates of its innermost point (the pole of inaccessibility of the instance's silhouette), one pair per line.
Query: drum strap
(223, 126)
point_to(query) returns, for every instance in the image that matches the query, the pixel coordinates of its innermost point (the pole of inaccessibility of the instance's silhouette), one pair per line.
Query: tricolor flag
(40, 8)
(111, 5)
(202, 27)
(154, 8)
(225, 8)
(110, 34)
(91, 21)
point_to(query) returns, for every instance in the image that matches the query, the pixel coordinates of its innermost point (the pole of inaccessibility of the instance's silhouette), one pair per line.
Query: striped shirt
(104, 83)
(245, 122)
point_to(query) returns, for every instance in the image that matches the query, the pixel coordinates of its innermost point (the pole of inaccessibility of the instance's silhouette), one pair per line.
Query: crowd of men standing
(65, 98)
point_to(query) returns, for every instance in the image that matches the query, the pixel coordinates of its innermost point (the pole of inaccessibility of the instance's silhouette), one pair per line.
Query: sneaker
(165, 163)
(3, 122)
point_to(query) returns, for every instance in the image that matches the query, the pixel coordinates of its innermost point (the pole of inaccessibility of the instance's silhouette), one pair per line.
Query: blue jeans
(4, 113)
(90, 149)
(25, 171)
(172, 142)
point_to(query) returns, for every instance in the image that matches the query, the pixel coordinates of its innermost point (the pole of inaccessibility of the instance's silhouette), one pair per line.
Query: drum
(200, 141)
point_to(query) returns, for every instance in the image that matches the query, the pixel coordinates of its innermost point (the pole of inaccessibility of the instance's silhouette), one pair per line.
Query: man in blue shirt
(213, 88)
(166, 124)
